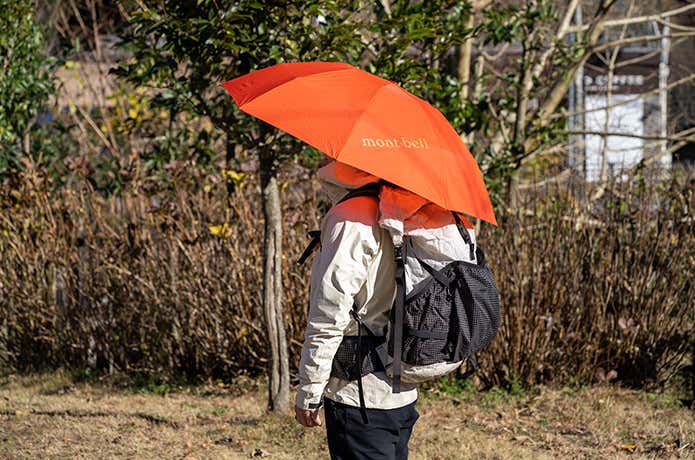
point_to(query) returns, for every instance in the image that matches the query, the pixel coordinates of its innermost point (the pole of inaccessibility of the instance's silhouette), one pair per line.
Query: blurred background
(131, 232)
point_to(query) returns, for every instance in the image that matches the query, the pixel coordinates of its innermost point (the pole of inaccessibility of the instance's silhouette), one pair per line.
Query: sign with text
(633, 73)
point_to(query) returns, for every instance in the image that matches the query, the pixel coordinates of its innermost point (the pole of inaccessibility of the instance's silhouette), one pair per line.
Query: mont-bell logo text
(396, 142)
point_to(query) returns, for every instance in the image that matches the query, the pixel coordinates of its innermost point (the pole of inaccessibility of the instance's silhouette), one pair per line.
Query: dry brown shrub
(138, 283)
(135, 283)
(594, 293)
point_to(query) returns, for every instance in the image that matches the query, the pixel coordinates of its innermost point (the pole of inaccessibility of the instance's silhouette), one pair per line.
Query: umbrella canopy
(371, 124)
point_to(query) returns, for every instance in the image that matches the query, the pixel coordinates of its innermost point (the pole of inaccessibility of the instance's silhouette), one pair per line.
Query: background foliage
(130, 228)
(26, 81)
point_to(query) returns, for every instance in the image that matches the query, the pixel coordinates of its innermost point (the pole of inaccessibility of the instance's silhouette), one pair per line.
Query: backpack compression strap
(399, 305)
(360, 358)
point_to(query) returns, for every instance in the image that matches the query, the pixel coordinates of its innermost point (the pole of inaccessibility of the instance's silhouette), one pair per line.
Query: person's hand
(308, 418)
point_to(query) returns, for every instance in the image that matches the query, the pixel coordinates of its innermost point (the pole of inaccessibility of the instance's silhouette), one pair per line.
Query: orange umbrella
(369, 123)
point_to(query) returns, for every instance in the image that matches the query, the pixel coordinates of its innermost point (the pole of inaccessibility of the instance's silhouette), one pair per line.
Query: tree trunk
(278, 366)
(464, 67)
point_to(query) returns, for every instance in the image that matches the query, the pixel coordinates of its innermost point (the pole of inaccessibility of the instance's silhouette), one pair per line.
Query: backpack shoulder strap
(372, 189)
(464, 233)
(315, 236)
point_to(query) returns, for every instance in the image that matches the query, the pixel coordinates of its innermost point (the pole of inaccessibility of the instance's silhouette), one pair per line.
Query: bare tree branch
(493, 57)
(387, 6)
(672, 25)
(635, 136)
(646, 56)
(525, 82)
(464, 66)
(78, 16)
(559, 35)
(466, 49)
(651, 159)
(562, 147)
(561, 177)
(609, 97)
(628, 101)
(651, 145)
(98, 131)
(681, 137)
(643, 38)
(638, 19)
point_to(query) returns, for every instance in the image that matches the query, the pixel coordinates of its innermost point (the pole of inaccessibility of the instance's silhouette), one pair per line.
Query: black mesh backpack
(445, 320)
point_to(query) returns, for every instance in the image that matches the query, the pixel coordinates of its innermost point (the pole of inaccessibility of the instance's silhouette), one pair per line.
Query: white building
(621, 105)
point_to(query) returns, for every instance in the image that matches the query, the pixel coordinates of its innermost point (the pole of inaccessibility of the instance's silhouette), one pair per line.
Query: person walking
(375, 125)
(355, 266)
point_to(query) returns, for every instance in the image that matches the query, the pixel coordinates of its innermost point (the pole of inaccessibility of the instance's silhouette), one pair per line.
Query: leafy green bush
(26, 81)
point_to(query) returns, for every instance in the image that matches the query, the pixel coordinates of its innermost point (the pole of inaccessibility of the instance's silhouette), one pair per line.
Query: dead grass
(51, 416)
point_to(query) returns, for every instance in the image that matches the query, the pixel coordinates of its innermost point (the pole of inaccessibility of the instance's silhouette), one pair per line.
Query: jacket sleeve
(338, 272)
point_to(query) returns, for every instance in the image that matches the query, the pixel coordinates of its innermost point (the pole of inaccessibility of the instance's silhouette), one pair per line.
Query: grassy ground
(52, 416)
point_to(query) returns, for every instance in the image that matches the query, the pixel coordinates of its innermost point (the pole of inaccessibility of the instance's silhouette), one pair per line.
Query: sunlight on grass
(53, 415)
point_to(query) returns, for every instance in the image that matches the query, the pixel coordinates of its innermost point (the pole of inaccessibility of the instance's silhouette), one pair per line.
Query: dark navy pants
(384, 437)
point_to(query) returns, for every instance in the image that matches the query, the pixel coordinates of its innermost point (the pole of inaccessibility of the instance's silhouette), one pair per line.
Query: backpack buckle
(398, 253)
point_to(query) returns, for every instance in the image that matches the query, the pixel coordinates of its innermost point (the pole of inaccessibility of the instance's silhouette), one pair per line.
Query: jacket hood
(337, 179)
(400, 211)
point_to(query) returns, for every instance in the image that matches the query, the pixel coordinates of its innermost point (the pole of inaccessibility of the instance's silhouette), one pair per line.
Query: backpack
(432, 329)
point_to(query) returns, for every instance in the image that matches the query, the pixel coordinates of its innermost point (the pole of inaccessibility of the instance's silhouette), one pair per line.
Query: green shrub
(26, 80)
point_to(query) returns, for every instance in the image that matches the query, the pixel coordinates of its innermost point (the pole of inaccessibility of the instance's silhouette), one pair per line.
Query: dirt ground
(51, 416)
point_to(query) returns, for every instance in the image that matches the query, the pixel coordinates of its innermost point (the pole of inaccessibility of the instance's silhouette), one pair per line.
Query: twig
(493, 57)
(638, 19)
(644, 57)
(643, 38)
(628, 101)
(554, 179)
(636, 136)
(96, 129)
